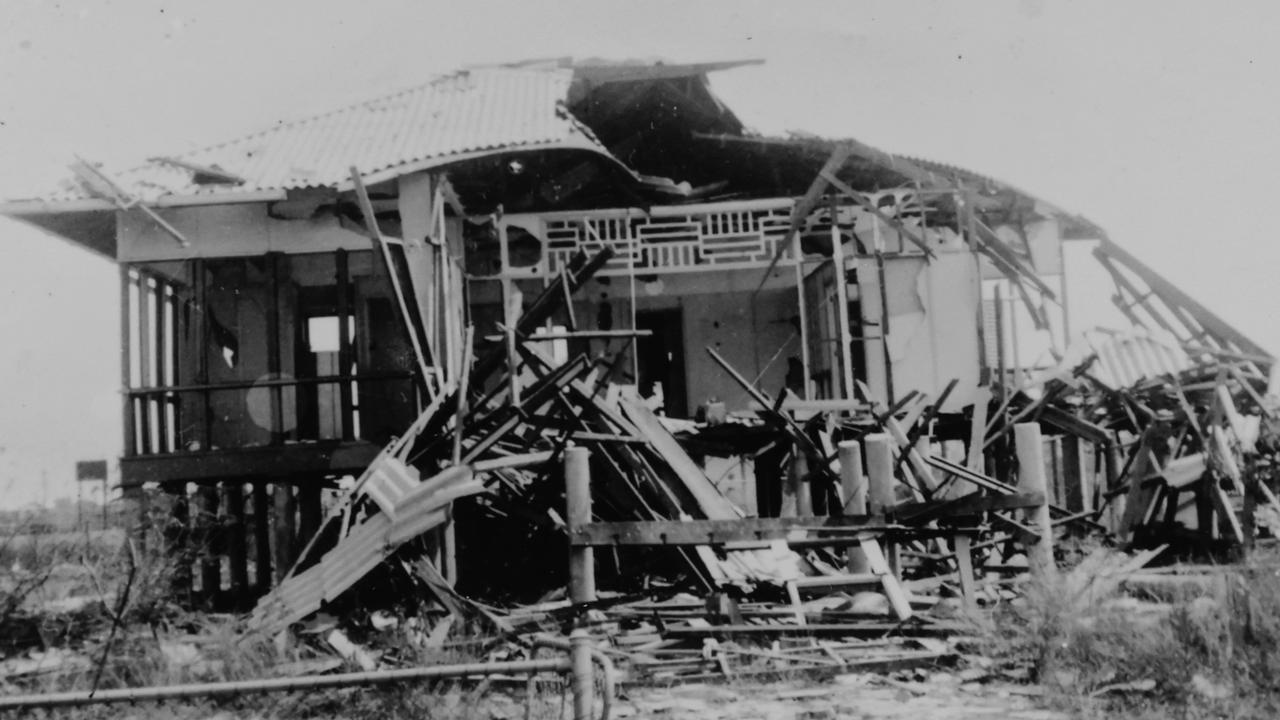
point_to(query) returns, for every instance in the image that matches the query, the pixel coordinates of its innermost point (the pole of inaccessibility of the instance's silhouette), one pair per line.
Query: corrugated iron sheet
(470, 111)
(389, 481)
(1125, 360)
(355, 555)
(422, 507)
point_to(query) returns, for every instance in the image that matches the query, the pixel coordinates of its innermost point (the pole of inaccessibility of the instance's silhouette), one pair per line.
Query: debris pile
(1186, 436)
(902, 549)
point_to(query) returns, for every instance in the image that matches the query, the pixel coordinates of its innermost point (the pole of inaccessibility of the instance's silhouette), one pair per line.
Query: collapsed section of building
(408, 309)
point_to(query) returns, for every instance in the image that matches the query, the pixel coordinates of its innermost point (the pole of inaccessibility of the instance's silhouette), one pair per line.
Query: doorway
(660, 358)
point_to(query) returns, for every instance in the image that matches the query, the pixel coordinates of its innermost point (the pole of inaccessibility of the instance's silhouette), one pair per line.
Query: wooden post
(200, 347)
(178, 540)
(283, 539)
(126, 363)
(854, 485)
(963, 545)
(880, 490)
(274, 366)
(797, 256)
(1248, 512)
(309, 511)
(210, 562)
(842, 307)
(798, 477)
(577, 474)
(582, 581)
(344, 344)
(261, 537)
(1031, 478)
(511, 311)
(237, 548)
(1001, 444)
(162, 328)
(788, 506)
(1075, 479)
(144, 362)
(1111, 469)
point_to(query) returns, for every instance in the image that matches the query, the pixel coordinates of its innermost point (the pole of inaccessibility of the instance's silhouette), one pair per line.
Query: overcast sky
(1158, 120)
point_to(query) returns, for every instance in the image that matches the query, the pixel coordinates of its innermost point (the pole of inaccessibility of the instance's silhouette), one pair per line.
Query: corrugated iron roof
(455, 115)
(1122, 359)
(1125, 360)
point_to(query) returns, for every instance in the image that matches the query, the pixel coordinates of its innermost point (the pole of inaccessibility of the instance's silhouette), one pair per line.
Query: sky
(1157, 120)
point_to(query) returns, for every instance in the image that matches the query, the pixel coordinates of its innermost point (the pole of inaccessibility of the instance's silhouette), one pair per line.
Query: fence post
(1031, 478)
(854, 484)
(880, 495)
(582, 580)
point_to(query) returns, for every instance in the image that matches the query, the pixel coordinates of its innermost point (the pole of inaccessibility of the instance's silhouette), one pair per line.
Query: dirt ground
(858, 697)
(940, 696)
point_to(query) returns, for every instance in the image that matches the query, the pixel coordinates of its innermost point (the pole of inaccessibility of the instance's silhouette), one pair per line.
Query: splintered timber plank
(1140, 495)
(1269, 496)
(974, 503)
(542, 308)
(1226, 514)
(981, 406)
(893, 590)
(719, 532)
(964, 571)
(993, 485)
(714, 505)
(779, 419)
(539, 393)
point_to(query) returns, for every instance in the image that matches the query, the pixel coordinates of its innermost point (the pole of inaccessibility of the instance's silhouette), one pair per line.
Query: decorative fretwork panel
(672, 243)
(724, 236)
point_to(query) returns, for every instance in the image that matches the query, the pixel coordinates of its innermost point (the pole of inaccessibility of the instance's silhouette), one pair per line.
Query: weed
(1211, 652)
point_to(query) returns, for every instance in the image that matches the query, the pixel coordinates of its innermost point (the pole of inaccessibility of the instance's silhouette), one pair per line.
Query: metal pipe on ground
(315, 682)
(608, 676)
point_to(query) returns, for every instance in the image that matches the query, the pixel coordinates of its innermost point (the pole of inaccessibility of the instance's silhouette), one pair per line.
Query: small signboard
(91, 471)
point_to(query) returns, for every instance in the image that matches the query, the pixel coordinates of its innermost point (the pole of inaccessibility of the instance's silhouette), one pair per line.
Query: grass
(155, 642)
(1214, 652)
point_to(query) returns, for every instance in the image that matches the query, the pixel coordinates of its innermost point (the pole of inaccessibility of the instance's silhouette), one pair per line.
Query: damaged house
(446, 286)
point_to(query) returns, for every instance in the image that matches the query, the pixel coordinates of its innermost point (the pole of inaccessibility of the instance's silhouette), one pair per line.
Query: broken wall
(717, 310)
(933, 316)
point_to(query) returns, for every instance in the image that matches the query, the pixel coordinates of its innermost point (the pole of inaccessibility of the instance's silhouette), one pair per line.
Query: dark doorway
(661, 358)
(386, 407)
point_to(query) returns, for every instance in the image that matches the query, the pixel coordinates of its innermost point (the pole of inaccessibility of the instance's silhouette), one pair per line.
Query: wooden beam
(575, 335)
(1174, 296)
(833, 528)
(867, 205)
(97, 183)
(804, 206)
(216, 174)
(375, 234)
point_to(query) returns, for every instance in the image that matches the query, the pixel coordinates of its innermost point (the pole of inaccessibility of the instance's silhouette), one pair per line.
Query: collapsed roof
(535, 136)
